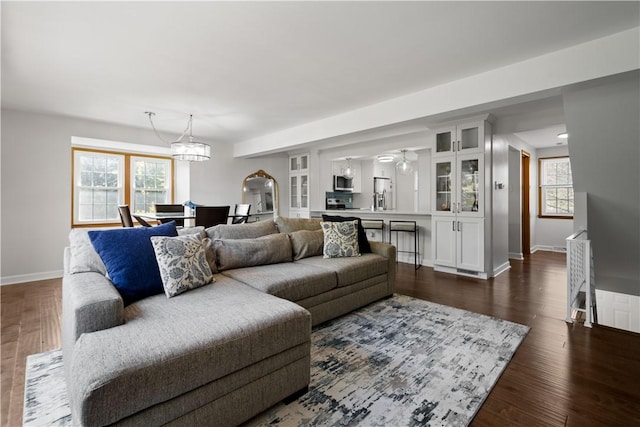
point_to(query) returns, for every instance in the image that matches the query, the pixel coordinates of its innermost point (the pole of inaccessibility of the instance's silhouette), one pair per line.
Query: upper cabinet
(461, 138)
(299, 163)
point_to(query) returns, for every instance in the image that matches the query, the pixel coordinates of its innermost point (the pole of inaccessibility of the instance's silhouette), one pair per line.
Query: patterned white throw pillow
(340, 239)
(182, 263)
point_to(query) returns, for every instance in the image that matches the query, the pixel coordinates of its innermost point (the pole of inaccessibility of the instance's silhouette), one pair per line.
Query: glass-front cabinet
(299, 163)
(299, 186)
(458, 185)
(462, 138)
(458, 199)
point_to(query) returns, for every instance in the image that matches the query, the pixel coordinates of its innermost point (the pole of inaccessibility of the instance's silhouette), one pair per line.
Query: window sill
(555, 217)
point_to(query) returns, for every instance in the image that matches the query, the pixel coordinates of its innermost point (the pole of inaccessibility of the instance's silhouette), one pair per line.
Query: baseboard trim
(504, 267)
(32, 277)
(548, 248)
(516, 255)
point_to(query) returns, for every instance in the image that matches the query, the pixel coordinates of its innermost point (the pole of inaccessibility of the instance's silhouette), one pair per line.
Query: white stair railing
(580, 278)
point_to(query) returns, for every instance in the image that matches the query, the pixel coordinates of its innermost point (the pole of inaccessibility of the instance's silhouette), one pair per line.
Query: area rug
(400, 362)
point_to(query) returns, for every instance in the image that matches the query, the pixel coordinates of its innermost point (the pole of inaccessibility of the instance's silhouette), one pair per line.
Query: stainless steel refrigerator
(382, 193)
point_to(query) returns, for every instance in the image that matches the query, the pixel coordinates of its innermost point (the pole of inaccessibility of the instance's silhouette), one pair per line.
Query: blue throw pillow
(130, 259)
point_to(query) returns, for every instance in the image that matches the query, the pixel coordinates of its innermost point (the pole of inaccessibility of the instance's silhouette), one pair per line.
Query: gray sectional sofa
(218, 354)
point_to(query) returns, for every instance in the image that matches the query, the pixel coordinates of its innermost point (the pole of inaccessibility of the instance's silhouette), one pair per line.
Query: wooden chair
(208, 216)
(127, 221)
(241, 214)
(125, 216)
(171, 208)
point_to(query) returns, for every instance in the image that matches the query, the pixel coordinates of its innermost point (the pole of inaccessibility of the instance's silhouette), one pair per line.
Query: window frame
(126, 186)
(541, 186)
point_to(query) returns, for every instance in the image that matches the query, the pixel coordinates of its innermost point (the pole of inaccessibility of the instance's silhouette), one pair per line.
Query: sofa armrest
(89, 303)
(389, 252)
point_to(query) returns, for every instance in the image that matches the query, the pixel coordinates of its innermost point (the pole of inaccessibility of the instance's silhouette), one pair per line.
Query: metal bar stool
(407, 227)
(374, 224)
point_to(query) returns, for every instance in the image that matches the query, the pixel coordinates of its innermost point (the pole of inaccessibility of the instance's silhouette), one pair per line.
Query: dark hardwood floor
(562, 374)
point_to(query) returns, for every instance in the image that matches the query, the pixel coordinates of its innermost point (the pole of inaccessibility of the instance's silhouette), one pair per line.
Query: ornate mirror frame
(250, 193)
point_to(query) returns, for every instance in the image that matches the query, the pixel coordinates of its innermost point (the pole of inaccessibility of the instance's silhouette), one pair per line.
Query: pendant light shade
(349, 172)
(189, 150)
(404, 166)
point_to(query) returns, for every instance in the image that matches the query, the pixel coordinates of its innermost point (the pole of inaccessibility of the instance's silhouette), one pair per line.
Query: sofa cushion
(340, 239)
(182, 263)
(210, 254)
(350, 270)
(363, 242)
(84, 257)
(306, 243)
(237, 253)
(288, 280)
(289, 225)
(249, 230)
(130, 260)
(169, 347)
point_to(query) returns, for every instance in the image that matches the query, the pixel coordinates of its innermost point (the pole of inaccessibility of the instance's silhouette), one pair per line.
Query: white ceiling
(246, 69)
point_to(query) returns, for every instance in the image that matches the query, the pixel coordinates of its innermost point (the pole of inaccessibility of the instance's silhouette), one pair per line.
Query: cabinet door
(445, 139)
(444, 241)
(470, 243)
(294, 192)
(444, 185)
(303, 162)
(304, 191)
(469, 189)
(294, 164)
(470, 137)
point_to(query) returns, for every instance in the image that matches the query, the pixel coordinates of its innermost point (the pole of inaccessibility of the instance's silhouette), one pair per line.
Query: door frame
(526, 203)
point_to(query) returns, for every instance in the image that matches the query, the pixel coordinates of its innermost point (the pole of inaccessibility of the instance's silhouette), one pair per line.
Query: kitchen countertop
(368, 211)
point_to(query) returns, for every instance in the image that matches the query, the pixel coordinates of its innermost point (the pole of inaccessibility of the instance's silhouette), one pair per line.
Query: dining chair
(142, 221)
(241, 213)
(125, 216)
(170, 208)
(127, 221)
(208, 216)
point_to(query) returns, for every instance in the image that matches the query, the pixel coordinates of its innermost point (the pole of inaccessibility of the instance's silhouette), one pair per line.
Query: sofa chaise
(218, 354)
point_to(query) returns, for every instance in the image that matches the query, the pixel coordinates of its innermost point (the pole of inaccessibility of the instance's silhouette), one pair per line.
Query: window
(555, 192)
(102, 180)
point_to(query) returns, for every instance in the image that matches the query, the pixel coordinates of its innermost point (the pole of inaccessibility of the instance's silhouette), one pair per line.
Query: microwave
(340, 183)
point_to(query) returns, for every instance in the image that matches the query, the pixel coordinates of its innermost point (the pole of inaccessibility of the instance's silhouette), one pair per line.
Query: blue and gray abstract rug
(400, 362)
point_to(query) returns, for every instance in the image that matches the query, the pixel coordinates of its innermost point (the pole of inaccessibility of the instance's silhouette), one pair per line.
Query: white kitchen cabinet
(460, 166)
(461, 138)
(459, 245)
(299, 186)
(458, 185)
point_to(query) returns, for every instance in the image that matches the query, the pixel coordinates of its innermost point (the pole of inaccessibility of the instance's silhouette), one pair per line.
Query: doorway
(526, 213)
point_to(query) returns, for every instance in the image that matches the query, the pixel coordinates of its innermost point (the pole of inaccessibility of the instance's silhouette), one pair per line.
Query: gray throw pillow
(250, 230)
(182, 263)
(340, 239)
(84, 257)
(237, 253)
(289, 225)
(306, 243)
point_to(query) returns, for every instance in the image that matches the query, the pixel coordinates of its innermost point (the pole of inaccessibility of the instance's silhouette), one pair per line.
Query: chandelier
(181, 149)
(404, 166)
(349, 172)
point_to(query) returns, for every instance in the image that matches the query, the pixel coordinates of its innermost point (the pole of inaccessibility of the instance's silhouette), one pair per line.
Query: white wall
(36, 185)
(515, 203)
(500, 204)
(604, 141)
